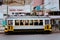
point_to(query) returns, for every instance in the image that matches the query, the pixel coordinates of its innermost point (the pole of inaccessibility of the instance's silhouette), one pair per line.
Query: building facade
(20, 6)
(54, 8)
(40, 7)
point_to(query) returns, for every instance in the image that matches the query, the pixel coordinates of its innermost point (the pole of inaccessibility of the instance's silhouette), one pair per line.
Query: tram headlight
(6, 29)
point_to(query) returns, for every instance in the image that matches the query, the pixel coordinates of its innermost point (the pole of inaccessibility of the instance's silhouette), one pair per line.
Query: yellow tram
(28, 24)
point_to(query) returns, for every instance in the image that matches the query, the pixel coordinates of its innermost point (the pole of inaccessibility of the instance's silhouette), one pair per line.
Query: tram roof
(28, 17)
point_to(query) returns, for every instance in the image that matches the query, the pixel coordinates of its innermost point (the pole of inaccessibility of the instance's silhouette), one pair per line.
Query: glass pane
(59, 4)
(16, 22)
(21, 22)
(59, 12)
(46, 21)
(31, 22)
(50, 13)
(10, 22)
(26, 22)
(35, 22)
(56, 13)
(40, 22)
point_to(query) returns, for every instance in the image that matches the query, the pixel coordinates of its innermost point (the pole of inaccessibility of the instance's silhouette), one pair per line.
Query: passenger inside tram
(10, 22)
(35, 22)
(31, 22)
(21, 22)
(16, 22)
(40, 22)
(26, 22)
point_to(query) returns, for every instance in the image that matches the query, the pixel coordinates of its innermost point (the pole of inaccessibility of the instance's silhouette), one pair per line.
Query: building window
(16, 22)
(4, 14)
(59, 12)
(10, 22)
(40, 22)
(54, 13)
(12, 13)
(50, 13)
(16, 14)
(59, 4)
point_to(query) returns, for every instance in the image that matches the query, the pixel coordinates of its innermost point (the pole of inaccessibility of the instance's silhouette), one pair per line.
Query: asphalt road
(55, 36)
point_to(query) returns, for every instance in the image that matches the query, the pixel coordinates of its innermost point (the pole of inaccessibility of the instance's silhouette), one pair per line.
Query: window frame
(25, 22)
(8, 21)
(32, 22)
(15, 22)
(47, 23)
(40, 22)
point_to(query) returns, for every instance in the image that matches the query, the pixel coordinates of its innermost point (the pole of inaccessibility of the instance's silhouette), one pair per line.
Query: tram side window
(31, 22)
(35, 22)
(16, 22)
(10, 22)
(26, 22)
(40, 22)
(21, 22)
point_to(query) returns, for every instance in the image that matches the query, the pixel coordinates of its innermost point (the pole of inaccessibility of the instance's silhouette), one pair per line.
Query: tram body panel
(16, 24)
(28, 27)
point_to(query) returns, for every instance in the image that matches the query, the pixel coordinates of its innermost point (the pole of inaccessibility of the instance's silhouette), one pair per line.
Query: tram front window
(16, 22)
(10, 22)
(46, 21)
(40, 22)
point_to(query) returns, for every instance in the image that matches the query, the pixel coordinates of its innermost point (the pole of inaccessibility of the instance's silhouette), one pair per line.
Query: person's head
(34, 8)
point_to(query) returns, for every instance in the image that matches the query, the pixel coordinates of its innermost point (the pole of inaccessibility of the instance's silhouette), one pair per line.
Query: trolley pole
(7, 8)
